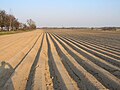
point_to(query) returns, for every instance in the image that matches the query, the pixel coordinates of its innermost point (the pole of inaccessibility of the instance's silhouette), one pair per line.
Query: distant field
(12, 32)
(61, 59)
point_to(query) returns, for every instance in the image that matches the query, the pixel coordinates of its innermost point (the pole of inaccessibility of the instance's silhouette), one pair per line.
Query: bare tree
(31, 24)
(16, 24)
(2, 19)
(10, 22)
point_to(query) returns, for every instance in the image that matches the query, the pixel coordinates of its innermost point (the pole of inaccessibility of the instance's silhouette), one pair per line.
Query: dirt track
(60, 60)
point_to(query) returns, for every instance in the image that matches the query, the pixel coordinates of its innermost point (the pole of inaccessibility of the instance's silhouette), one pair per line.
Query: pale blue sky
(84, 13)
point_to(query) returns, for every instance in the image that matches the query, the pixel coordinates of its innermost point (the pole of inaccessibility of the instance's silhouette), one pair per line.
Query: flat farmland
(61, 59)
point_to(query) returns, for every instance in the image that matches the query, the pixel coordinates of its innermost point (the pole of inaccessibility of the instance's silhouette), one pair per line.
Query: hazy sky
(65, 12)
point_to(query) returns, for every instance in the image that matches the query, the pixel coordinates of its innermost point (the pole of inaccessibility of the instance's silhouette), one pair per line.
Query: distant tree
(7, 21)
(25, 27)
(2, 18)
(16, 24)
(109, 28)
(31, 24)
(92, 28)
(10, 22)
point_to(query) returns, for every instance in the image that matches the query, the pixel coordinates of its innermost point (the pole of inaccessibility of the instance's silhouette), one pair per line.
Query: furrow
(98, 49)
(10, 44)
(102, 45)
(100, 55)
(15, 62)
(16, 48)
(87, 81)
(20, 76)
(37, 78)
(102, 75)
(105, 65)
(7, 41)
(12, 39)
(79, 38)
(65, 81)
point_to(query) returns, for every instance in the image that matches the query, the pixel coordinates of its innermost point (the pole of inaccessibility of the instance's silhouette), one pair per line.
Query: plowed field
(60, 60)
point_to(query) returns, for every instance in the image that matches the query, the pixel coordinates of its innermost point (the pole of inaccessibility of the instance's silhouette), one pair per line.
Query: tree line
(9, 22)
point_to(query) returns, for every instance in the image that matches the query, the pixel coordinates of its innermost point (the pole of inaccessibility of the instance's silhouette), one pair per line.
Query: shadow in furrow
(107, 59)
(92, 47)
(30, 81)
(82, 63)
(56, 82)
(28, 52)
(64, 60)
(100, 44)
